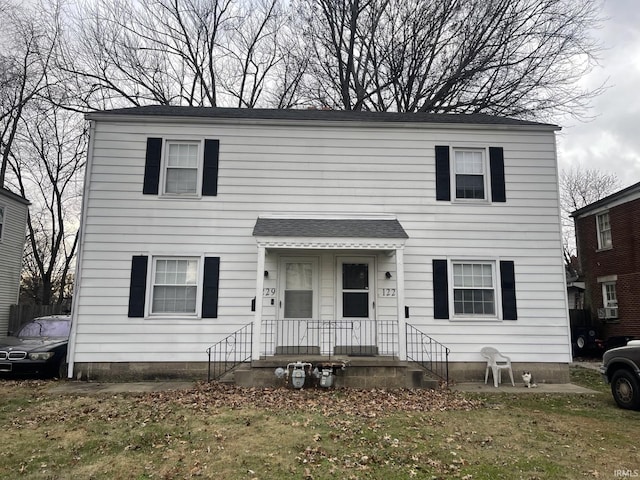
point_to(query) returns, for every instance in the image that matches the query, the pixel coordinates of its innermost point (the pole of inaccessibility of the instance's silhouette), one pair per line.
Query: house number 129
(268, 292)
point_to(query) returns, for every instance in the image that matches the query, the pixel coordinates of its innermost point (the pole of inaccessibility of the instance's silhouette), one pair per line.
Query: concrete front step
(359, 372)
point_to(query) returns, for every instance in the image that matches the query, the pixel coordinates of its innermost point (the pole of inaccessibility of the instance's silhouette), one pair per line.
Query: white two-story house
(317, 234)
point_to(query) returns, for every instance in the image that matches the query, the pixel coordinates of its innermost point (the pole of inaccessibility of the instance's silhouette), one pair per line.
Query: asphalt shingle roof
(314, 114)
(351, 228)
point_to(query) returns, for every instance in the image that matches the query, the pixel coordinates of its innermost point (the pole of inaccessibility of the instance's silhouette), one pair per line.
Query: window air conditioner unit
(608, 313)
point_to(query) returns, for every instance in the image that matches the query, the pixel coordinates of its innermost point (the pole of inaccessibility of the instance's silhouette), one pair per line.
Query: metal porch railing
(330, 337)
(230, 352)
(428, 353)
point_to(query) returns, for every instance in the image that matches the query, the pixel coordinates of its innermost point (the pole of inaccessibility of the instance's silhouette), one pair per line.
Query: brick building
(608, 241)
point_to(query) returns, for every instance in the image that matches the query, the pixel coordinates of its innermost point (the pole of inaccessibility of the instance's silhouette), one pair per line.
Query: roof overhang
(361, 233)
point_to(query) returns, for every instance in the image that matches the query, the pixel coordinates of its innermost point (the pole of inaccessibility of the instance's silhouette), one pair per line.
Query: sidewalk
(72, 386)
(520, 388)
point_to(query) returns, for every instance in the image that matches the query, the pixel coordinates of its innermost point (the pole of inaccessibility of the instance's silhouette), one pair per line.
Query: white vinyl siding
(325, 169)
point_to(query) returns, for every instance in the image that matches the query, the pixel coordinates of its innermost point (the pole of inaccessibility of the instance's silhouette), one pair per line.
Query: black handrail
(230, 352)
(428, 353)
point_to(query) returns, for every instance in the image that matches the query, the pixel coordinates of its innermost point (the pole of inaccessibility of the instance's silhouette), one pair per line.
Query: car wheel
(580, 342)
(626, 389)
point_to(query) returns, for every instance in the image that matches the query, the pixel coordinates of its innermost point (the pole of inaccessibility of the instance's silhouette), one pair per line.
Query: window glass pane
(470, 186)
(299, 276)
(174, 299)
(355, 304)
(183, 155)
(611, 299)
(604, 230)
(355, 276)
(468, 162)
(298, 303)
(176, 272)
(181, 180)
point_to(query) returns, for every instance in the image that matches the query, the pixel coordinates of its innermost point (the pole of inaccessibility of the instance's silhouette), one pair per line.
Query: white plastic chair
(496, 362)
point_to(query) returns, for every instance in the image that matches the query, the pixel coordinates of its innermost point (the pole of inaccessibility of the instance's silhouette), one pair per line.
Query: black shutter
(508, 285)
(152, 166)
(138, 286)
(440, 289)
(443, 182)
(210, 288)
(496, 164)
(210, 170)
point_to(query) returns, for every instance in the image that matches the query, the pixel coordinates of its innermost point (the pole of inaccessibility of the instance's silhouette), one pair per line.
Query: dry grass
(231, 433)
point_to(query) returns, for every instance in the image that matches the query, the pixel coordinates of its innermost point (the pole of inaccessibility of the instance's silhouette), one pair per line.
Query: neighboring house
(326, 232)
(608, 241)
(13, 225)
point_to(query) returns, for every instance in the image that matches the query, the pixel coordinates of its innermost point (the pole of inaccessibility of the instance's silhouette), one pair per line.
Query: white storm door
(356, 289)
(298, 302)
(356, 329)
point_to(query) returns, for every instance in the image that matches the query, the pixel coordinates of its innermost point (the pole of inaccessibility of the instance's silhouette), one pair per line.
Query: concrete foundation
(361, 372)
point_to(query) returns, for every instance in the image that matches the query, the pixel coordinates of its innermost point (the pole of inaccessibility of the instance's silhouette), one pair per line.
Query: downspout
(402, 324)
(78, 280)
(257, 322)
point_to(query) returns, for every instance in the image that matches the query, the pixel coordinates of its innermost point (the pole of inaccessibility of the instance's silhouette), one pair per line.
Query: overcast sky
(611, 141)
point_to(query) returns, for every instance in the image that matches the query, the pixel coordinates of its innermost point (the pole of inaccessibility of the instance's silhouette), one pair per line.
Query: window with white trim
(604, 231)
(174, 285)
(1, 221)
(609, 296)
(474, 289)
(469, 174)
(182, 168)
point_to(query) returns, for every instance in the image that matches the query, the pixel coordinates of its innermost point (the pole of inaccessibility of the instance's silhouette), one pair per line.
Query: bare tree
(580, 187)
(181, 52)
(28, 43)
(47, 165)
(507, 57)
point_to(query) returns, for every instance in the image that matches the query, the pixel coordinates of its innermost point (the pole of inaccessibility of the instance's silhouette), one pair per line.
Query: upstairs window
(604, 231)
(469, 174)
(182, 167)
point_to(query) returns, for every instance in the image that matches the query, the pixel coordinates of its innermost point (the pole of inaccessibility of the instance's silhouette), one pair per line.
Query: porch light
(388, 275)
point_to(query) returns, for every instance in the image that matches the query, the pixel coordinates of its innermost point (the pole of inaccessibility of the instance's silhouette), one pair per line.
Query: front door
(356, 306)
(298, 306)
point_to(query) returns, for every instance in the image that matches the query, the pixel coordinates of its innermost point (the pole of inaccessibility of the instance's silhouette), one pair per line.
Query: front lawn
(222, 432)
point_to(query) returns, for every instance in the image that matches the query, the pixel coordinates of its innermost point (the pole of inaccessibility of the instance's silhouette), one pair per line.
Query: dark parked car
(39, 348)
(621, 368)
